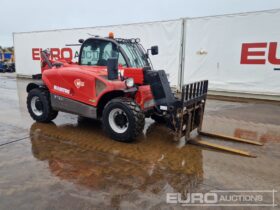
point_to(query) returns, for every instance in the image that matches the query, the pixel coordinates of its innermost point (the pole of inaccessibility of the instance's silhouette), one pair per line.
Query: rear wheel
(123, 120)
(39, 105)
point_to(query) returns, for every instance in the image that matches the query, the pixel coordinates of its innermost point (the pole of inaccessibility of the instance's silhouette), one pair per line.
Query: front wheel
(39, 105)
(123, 120)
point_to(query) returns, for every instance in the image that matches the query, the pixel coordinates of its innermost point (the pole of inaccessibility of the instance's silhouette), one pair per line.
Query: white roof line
(92, 27)
(238, 14)
(150, 22)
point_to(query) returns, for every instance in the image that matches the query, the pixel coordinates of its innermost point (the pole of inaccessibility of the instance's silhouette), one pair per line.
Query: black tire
(135, 119)
(44, 105)
(159, 119)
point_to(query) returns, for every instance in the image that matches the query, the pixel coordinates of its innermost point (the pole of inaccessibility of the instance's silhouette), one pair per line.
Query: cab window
(135, 56)
(122, 61)
(97, 52)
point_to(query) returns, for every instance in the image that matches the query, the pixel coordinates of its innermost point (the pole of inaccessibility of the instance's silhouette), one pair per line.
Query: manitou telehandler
(114, 81)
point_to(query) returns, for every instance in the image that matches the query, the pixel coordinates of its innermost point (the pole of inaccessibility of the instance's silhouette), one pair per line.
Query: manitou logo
(56, 54)
(79, 83)
(259, 53)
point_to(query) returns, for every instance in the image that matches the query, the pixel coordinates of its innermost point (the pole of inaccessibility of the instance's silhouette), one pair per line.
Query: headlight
(129, 82)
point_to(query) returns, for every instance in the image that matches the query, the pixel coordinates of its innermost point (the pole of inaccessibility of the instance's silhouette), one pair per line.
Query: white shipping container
(236, 53)
(166, 34)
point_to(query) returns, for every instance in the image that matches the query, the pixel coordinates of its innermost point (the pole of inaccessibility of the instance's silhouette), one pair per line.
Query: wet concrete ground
(72, 164)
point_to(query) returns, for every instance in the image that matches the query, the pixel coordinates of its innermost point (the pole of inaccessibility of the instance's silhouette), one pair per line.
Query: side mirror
(112, 68)
(154, 50)
(81, 41)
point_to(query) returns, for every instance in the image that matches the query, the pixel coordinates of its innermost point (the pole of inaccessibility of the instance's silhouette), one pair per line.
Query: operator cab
(130, 53)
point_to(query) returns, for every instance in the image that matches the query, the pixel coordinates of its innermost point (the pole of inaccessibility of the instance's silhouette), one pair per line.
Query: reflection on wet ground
(71, 164)
(92, 160)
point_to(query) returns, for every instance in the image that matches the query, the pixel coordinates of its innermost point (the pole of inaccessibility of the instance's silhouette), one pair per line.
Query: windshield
(135, 55)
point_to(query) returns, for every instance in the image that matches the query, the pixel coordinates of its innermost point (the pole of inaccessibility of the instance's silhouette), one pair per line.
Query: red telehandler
(114, 81)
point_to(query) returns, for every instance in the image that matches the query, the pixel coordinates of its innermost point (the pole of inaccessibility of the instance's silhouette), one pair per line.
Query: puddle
(81, 153)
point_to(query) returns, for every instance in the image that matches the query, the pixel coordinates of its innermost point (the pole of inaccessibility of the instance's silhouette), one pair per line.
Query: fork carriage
(189, 111)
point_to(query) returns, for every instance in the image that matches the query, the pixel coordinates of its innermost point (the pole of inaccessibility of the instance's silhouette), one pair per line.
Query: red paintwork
(136, 74)
(143, 94)
(66, 77)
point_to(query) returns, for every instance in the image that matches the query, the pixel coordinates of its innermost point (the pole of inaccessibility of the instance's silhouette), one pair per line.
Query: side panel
(71, 83)
(234, 52)
(80, 84)
(60, 103)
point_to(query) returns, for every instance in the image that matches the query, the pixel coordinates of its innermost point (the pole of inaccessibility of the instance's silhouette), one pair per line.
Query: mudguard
(35, 84)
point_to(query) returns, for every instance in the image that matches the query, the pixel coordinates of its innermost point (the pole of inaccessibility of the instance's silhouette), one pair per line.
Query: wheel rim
(36, 106)
(118, 120)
